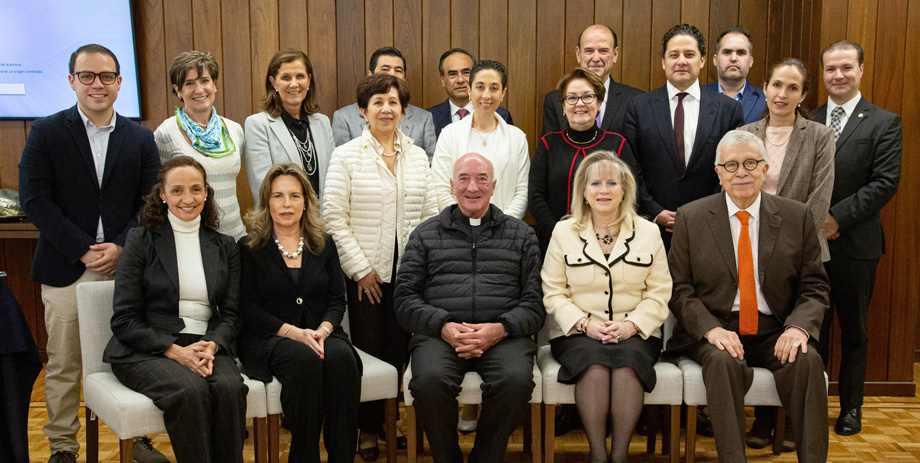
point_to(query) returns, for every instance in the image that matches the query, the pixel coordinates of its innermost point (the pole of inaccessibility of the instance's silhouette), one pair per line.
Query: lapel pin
(859, 115)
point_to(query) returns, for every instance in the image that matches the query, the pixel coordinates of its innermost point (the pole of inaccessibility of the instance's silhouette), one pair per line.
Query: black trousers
(319, 394)
(800, 385)
(374, 330)
(852, 283)
(205, 417)
(507, 374)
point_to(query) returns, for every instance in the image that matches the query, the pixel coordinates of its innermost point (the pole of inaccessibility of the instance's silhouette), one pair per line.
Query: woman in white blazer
(486, 133)
(290, 128)
(378, 191)
(606, 287)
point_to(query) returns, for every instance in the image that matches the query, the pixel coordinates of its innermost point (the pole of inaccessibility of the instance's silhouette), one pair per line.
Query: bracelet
(284, 335)
(327, 330)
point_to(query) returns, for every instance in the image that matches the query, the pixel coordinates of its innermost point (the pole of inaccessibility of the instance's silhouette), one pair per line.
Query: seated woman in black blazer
(176, 316)
(293, 302)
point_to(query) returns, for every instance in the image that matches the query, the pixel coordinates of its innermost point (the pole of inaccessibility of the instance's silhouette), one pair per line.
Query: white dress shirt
(754, 232)
(603, 103)
(848, 108)
(454, 117)
(99, 144)
(691, 105)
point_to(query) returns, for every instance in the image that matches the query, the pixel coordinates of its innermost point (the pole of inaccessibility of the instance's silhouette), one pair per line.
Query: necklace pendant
(484, 143)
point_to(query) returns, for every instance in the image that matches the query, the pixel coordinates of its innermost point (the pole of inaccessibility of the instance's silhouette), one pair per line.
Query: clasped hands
(471, 340)
(610, 331)
(198, 357)
(786, 349)
(102, 258)
(315, 339)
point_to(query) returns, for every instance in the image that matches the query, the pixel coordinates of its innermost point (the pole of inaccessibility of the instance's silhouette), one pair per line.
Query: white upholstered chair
(668, 392)
(380, 381)
(126, 412)
(471, 393)
(762, 392)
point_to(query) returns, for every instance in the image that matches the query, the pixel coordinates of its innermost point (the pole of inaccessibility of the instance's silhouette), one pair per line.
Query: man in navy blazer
(867, 168)
(733, 59)
(82, 177)
(455, 66)
(674, 130)
(596, 51)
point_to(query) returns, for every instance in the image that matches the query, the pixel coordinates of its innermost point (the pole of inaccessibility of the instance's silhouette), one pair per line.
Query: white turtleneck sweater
(194, 307)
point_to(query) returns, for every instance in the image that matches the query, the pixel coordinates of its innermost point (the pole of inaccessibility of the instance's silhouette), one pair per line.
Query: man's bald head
(473, 184)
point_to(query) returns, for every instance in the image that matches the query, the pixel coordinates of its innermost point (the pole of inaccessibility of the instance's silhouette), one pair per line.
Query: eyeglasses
(87, 78)
(572, 100)
(749, 164)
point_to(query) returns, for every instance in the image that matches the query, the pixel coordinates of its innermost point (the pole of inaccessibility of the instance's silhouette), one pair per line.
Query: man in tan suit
(733, 317)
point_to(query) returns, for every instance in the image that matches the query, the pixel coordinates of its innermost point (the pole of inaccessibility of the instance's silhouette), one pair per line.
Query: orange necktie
(747, 319)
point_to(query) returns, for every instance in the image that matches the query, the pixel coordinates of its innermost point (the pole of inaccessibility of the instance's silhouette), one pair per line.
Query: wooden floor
(891, 433)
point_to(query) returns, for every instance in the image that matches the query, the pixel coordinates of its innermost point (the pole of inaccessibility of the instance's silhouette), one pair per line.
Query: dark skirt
(577, 352)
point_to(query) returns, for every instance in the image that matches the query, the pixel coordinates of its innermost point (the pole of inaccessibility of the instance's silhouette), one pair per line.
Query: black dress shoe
(849, 422)
(703, 425)
(369, 454)
(567, 420)
(761, 433)
(401, 442)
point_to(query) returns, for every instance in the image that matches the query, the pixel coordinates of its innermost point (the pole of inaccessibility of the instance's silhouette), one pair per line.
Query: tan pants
(62, 374)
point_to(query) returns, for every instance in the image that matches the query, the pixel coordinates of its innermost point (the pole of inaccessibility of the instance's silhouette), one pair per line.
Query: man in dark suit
(733, 59)
(348, 123)
(455, 66)
(596, 51)
(750, 291)
(82, 177)
(674, 130)
(867, 170)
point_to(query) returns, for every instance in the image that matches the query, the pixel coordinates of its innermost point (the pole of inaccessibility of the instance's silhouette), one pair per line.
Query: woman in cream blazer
(606, 288)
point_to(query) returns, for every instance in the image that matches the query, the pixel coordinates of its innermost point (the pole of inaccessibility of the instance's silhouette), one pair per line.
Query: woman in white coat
(489, 135)
(378, 191)
(290, 127)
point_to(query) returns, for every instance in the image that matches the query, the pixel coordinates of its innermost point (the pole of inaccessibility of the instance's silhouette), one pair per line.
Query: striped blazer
(808, 169)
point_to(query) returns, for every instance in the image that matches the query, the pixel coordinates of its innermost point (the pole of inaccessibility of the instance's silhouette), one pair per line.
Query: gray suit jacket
(417, 124)
(807, 175)
(705, 273)
(269, 142)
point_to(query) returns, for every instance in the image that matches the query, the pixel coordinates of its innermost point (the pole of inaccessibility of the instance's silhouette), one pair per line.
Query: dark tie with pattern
(679, 128)
(836, 117)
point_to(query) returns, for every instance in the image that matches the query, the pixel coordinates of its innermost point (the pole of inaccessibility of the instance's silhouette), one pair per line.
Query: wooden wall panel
(408, 39)
(522, 59)
(464, 25)
(292, 25)
(435, 41)
(352, 62)
(151, 75)
(206, 37)
(322, 52)
(752, 14)
(536, 40)
(638, 50)
(550, 50)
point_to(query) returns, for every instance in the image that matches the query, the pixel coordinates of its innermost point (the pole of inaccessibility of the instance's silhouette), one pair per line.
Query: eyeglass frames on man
(749, 165)
(87, 78)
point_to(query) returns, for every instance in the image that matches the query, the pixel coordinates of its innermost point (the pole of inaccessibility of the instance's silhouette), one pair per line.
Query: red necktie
(747, 318)
(679, 128)
(462, 112)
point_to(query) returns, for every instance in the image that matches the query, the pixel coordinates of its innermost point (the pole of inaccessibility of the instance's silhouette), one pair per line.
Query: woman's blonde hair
(260, 217)
(581, 211)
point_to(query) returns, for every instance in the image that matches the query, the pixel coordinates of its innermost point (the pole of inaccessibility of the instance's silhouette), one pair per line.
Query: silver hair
(739, 137)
